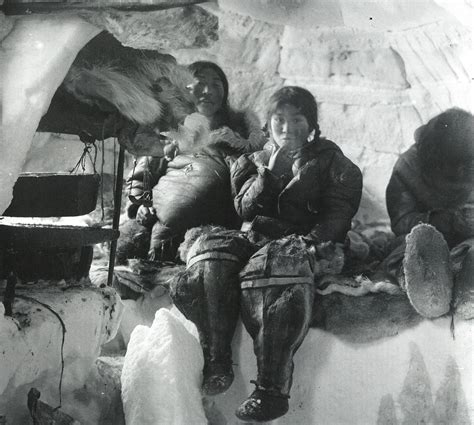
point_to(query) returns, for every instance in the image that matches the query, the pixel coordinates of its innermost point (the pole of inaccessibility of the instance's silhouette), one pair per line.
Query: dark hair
(226, 116)
(448, 138)
(200, 66)
(299, 98)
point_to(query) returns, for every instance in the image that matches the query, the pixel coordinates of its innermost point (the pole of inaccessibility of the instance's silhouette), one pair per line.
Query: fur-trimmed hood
(243, 134)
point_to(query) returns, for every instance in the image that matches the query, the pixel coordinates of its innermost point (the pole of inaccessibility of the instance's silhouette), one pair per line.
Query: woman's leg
(276, 307)
(277, 319)
(208, 294)
(463, 258)
(164, 243)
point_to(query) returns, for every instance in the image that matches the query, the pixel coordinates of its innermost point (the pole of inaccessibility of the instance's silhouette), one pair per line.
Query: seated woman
(191, 187)
(297, 197)
(433, 183)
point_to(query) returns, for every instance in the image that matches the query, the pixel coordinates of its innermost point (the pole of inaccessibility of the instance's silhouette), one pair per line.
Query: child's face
(289, 127)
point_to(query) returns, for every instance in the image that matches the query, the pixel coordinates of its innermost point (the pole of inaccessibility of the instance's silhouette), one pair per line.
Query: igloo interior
(378, 71)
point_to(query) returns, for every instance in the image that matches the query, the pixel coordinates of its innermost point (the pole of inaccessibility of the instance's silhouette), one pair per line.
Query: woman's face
(289, 127)
(209, 92)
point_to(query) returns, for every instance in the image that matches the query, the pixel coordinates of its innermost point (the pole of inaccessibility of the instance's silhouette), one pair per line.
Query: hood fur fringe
(195, 134)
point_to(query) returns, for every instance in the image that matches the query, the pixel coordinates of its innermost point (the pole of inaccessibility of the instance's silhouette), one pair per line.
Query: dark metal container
(54, 195)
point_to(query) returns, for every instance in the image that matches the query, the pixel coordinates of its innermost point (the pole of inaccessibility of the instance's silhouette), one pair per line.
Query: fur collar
(195, 133)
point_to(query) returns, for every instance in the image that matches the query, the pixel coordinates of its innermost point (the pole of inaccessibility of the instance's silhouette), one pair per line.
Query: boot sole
(428, 274)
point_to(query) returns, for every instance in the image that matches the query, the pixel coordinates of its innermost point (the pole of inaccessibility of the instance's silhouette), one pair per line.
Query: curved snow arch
(34, 59)
(37, 51)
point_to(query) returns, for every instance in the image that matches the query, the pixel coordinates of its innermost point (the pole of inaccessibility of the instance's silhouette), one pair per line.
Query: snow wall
(378, 71)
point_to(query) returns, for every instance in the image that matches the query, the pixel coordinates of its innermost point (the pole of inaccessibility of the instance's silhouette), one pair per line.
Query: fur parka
(193, 188)
(319, 200)
(432, 182)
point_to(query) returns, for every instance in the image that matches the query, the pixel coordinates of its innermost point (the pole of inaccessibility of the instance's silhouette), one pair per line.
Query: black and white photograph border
(236, 211)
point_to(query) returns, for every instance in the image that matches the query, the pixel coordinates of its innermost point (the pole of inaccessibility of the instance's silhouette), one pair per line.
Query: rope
(102, 217)
(133, 177)
(63, 326)
(146, 177)
(81, 163)
(452, 327)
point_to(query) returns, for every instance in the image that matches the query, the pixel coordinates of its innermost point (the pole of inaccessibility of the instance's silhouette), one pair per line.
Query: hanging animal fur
(151, 91)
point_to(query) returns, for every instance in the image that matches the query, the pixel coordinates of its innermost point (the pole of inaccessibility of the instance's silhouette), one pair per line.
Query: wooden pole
(9, 295)
(10, 8)
(117, 208)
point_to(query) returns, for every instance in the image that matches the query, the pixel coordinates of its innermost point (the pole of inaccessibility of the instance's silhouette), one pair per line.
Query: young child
(297, 197)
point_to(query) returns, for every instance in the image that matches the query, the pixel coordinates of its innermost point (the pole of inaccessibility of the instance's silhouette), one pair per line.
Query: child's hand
(281, 162)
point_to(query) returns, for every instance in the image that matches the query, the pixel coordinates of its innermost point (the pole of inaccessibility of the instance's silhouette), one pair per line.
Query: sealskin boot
(263, 405)
(208, 294)
(276, 309)
(464, 287)
(217, 378)
(427, 270)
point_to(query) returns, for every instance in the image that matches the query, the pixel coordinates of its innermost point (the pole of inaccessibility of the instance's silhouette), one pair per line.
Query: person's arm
(340, 201)
(403, 208)
(259, 195)
(256, 188)
(147, 167)
(406, 212)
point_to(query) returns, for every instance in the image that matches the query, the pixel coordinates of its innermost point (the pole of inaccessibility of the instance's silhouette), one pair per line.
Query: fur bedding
(369, 247)
(355, 286)
(355, 309)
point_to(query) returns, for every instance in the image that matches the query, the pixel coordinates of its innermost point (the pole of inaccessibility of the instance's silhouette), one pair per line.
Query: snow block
(162, 374)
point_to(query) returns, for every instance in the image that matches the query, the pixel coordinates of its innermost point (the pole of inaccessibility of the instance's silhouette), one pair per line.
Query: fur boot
(208, 294)
(276, 303)
(427, 270)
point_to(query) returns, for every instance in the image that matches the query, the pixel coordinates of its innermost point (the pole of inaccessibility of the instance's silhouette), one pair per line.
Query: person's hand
(146, 216)
(463, 222)
(455, 225)
(171, 150)
(442, 219)
(280, 162)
